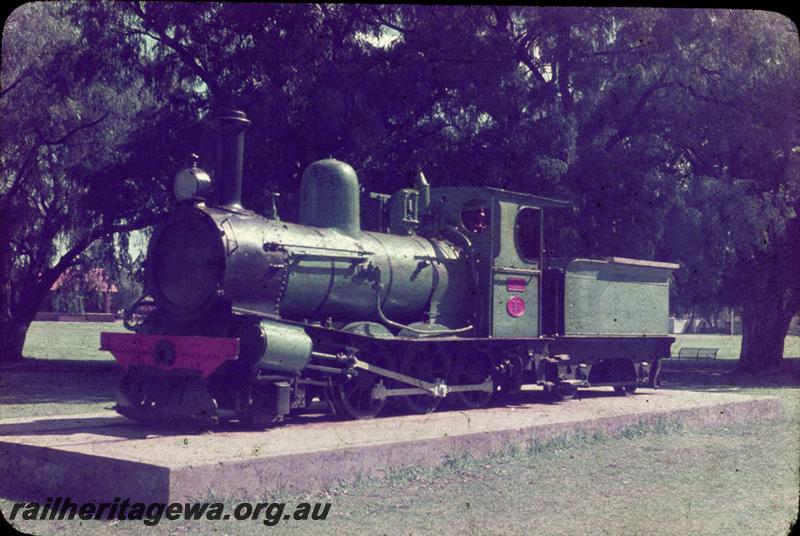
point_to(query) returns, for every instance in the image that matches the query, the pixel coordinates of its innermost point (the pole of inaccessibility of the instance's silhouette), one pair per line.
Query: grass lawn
(737, 480)
(68, 340)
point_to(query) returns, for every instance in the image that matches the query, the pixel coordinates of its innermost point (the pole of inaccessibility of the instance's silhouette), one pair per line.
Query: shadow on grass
(41, 381)
(710, 373)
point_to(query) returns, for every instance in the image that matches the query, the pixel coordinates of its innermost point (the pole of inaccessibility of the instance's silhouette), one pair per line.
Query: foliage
(673, 132)
(67, 123)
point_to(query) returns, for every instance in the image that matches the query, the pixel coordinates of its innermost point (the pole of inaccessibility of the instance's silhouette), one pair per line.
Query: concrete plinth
(102, 456)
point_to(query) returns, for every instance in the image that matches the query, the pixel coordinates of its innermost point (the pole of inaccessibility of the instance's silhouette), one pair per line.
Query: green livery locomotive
(251, 318)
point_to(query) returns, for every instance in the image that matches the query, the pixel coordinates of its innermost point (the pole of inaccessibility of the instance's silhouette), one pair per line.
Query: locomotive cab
(504, 232)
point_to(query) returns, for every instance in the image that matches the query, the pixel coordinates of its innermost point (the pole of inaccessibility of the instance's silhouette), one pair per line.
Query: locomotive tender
(251, 318)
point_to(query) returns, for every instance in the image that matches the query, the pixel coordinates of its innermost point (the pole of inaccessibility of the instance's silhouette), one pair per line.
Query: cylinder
(276, 347)
(230, 126)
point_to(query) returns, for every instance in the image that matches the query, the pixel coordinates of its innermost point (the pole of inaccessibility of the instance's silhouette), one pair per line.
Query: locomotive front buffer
(250, 318)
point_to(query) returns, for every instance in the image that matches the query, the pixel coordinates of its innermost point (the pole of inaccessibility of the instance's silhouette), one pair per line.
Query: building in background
(725, 322)
(79, 292)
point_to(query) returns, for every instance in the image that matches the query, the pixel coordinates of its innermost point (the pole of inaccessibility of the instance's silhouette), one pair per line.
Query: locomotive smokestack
(230, 125)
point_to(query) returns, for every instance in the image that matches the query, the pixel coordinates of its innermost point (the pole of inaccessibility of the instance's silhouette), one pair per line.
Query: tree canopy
(66, 125)
(673, 132)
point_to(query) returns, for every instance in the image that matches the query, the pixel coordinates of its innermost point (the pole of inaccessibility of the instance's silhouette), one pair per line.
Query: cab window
(527, 233)
(475, 216)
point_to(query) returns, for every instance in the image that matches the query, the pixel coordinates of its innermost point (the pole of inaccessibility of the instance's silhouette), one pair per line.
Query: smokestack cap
(232, 120)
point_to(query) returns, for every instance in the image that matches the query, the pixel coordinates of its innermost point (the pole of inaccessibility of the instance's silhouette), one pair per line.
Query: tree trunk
(770, 301)
(12, 339)
(764, 328)
(14, 327)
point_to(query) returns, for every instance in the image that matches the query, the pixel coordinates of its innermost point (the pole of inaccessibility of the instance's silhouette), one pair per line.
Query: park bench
(698, 353)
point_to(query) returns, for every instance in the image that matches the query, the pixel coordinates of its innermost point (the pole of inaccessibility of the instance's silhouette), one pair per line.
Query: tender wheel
(352, 399)
(468, 369)
(429, 366)
(562, 392)
(625, 390)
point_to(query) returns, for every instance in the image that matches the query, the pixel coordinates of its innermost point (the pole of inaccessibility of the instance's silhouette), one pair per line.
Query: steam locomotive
(250, 318)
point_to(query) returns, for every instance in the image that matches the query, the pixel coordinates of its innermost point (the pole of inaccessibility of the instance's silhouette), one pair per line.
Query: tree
(658, 125)
(676, 123)
(673, 132)
(626, 112)
(65, 119)
(740, 155)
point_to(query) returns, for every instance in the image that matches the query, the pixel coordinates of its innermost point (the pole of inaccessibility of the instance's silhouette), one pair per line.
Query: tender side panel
(616, 297)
